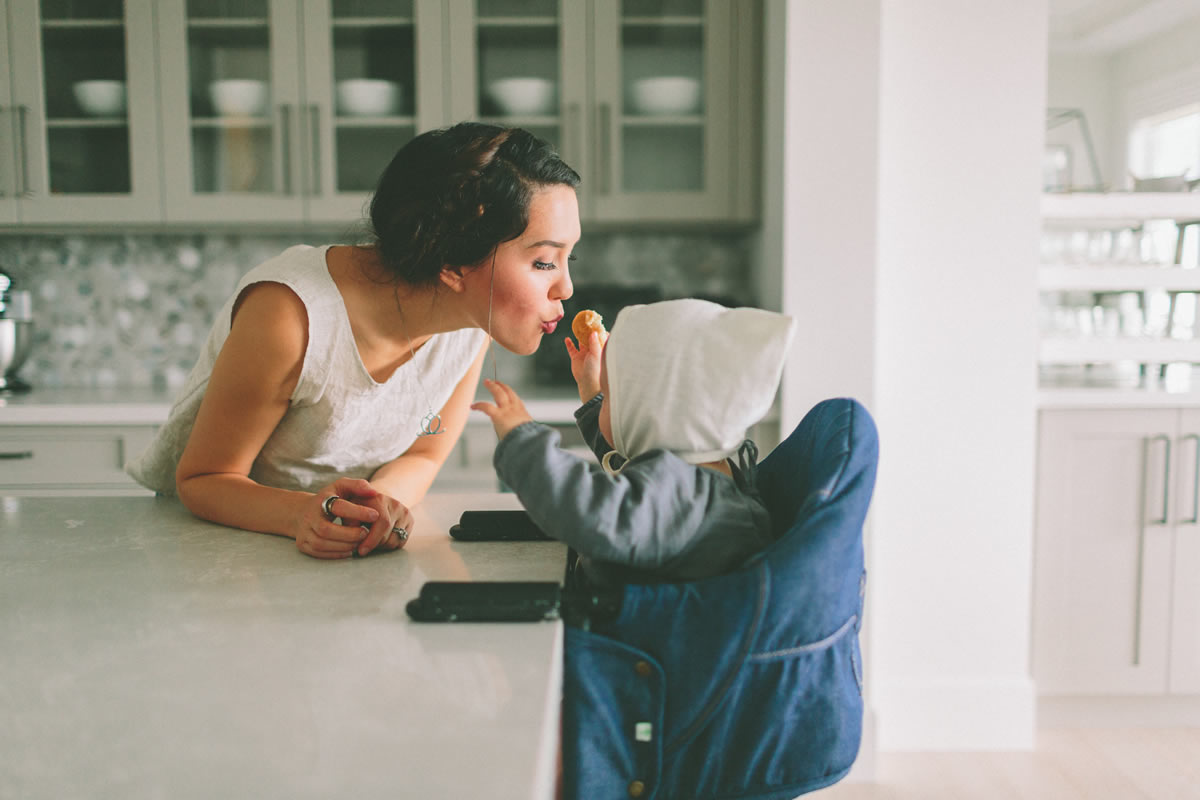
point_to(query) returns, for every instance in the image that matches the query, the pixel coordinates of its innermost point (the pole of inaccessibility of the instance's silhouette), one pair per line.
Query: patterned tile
(134, 310)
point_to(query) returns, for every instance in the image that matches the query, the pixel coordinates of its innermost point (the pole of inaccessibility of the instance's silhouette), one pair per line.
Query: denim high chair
(745, 685)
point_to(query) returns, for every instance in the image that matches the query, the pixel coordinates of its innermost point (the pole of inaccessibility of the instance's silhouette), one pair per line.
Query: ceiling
(1103, 26)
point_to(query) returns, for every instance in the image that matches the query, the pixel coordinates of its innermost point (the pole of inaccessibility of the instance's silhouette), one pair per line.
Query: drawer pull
(15, 455)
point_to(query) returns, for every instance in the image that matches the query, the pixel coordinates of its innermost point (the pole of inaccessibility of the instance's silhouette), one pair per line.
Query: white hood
(692, 376)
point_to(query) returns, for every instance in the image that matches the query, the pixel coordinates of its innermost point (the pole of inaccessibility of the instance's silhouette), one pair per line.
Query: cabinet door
(232, 113)
(1103, 565)
(84, 110)
(10, 183)
(1185, 606)
(521, 63)
(373, 79)
(662, 121)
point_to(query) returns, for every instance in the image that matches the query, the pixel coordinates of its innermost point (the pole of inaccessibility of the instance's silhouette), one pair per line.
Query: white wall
(907, 209)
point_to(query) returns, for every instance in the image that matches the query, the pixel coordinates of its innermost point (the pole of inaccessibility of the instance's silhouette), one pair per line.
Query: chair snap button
(642, 668)
(636, 789)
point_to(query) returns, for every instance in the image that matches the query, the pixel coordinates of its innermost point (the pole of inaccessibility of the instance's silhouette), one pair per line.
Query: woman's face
(531, 278)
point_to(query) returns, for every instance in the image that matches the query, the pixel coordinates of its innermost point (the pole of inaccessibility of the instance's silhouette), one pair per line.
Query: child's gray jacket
(658, 519)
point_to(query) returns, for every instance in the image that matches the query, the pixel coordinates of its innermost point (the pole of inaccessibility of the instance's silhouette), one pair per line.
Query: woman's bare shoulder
(270, 318)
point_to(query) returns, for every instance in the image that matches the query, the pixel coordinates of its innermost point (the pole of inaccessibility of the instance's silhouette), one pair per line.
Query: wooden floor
(1067, 764)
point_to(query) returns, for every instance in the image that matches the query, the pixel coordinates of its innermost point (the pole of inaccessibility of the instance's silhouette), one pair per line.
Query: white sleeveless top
(340, 421)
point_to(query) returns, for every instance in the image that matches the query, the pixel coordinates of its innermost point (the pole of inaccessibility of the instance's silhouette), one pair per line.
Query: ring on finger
(401, 534)
(327, 506)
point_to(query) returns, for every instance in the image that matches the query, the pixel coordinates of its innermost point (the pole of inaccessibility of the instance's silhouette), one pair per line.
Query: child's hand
(507, 412)
(585, 366)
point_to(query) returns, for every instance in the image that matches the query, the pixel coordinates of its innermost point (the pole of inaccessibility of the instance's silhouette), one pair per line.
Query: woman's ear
(452, 278)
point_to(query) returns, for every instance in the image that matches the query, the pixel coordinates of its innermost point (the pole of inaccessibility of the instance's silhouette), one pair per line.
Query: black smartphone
(486, 601)
(497, 526)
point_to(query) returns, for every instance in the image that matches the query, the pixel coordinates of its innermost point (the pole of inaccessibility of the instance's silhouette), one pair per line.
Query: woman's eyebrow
(559, 245)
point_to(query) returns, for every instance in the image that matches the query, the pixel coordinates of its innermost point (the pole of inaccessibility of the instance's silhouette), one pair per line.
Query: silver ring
(401, 534)
(327, 506)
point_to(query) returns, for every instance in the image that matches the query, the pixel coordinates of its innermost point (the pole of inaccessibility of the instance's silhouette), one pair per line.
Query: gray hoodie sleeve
(587, 419)
(644, 517)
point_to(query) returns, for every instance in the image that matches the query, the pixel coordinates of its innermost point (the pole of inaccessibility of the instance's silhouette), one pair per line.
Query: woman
(337, 379)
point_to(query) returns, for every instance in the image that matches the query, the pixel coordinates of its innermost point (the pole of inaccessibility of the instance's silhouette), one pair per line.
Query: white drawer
(65, 456)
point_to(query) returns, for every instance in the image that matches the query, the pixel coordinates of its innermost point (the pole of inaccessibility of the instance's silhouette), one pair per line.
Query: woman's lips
(548, 327)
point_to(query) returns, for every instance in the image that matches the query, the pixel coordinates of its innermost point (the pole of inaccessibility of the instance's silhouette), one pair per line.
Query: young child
(667, 402)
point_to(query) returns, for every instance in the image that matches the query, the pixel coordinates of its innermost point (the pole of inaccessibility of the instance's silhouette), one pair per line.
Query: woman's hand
(507, 412)
(585, 365)
(360, 519)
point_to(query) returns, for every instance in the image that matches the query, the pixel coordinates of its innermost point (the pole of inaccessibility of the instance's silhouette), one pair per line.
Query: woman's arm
(409, 477)
(247, 395)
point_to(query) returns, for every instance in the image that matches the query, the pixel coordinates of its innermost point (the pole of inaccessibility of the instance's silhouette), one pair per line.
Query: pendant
(431, 424)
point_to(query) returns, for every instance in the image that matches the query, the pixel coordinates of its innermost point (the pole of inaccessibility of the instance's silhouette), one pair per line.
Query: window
(1168, 145)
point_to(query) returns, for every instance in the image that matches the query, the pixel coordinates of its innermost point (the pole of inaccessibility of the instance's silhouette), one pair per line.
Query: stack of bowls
(238, 97)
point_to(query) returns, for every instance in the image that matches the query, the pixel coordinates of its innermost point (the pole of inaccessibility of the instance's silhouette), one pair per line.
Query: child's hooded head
(691, 376)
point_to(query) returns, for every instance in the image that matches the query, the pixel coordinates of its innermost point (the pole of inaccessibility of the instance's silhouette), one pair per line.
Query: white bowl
(100, 98)
(238, 96)
(522, 95)
(366, 97)
(669, 94)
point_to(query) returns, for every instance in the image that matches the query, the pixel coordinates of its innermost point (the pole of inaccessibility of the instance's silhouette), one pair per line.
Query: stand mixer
(16, 335)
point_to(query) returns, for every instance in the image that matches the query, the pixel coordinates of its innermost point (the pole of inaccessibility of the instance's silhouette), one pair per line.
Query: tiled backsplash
(133, 310)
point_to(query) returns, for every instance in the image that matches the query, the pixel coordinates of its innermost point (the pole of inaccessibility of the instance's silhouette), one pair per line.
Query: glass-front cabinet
(288, 110)
(652, 101)
(366, 93)
(79, 109)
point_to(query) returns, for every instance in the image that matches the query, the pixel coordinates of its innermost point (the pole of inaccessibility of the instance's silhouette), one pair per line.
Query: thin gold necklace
(431, 423)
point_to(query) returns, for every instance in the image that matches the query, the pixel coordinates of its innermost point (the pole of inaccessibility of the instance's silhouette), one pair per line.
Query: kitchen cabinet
(61, 460)
(1116, 604)
(253, 129)
(642, 159)
(1120, 298)
(78, 110)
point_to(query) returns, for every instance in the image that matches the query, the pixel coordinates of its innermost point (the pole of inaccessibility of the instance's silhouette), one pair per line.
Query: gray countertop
(145, 653)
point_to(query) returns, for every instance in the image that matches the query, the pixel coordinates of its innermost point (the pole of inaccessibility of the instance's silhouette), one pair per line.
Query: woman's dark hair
(450, 196)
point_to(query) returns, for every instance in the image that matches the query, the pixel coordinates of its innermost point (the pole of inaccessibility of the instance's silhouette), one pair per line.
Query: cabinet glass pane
(87, 123)
(666, 158)
(662, 74)
(374, 79)
(519, 53)
(235, 137)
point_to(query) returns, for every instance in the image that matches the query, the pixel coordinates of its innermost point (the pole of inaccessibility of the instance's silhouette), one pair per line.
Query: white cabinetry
(62, 460)
(1116, 602)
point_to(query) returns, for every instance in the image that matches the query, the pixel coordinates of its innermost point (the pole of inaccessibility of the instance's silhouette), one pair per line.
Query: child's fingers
(572, 350)
(487, 408)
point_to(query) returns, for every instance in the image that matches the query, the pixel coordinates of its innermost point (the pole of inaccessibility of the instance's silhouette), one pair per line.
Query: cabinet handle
(1166, 440)
(16, 455)
(314, 118)
(285, 146)
(24, 190)
(1195, 517)
(1141, 536)
(2, 192)
(604, 154)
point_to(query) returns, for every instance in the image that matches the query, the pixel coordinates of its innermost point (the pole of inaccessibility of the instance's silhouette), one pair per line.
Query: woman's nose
(563, 288)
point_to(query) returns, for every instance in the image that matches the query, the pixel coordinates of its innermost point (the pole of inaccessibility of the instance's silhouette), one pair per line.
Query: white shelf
(1098, 351)
(1116, 278)
(1116, 398)
(1121, 206)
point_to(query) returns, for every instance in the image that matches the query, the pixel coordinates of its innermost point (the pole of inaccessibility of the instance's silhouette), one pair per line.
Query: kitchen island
(145, 653)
